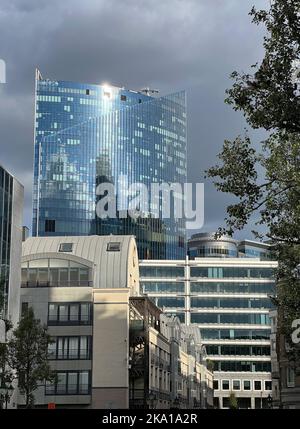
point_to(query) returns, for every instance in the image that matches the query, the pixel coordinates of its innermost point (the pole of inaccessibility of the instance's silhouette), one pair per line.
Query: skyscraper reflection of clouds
(89, 134)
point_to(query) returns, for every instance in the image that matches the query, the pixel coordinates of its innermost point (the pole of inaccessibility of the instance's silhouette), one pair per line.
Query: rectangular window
(70, 314)
(290, 377)
(63, 313)
(69, 383)
(61, 383)
(236, 385)
(257, 385)
(268, 385)
(216, 384)
(225, 384)
(53, 312)
(114, 246)
(49, 225)
(74, 312)
(70, 348)
(72, 383)
(247, 385)
(66, 247)
(24, 308)
(123, 98)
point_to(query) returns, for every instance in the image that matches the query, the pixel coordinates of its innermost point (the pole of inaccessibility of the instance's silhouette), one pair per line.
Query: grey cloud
(167, 44)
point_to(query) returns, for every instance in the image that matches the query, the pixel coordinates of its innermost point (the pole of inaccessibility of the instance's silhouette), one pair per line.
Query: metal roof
(110, 267)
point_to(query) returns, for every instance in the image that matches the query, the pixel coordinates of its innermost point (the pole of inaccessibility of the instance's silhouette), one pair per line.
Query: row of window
(242, 385)
(67, 348)
(242, 366)
(237, 350)
(235, 334)
(231, 302)
(162, 287)
(163, 272)
(231, 318)
(207, 272)
(70, 383)
(179, 302)
(236, 287)
(208, 287)
(231, 272)
(70, 313)
(55, 272)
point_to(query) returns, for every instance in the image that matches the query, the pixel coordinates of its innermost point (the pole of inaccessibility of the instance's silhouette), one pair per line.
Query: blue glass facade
(86, 135)
(6, 197)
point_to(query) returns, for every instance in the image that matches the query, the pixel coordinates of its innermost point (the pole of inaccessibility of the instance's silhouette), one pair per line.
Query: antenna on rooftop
(149, 91)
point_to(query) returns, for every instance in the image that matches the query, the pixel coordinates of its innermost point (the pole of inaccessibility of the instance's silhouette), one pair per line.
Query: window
(225, 384)
(247, 385)
(123, 98)
(257, 385)
(49, 225)
(290, 377)
(170, 302)
(24, 308)
(69, 383)
(162, 272)
(87, 92)
(216, 384)
(70, 348)
(268, 385)
(114, 246)
(69, 314)
(236, 385)
(162, 287)
(204, 318)
(66, 247)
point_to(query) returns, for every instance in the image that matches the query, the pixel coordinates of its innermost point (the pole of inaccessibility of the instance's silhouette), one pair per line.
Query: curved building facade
(205, 245)
(87, 135)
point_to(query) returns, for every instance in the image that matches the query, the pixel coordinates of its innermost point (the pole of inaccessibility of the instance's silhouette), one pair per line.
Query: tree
(6, 374)
(210, 365)
(266, 181)
(27, 355)
(233, 404)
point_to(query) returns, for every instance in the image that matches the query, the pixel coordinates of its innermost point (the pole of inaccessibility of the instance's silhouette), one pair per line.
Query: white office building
(228, 299)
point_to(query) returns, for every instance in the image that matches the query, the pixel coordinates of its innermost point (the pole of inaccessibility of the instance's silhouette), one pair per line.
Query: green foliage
(266, 181)
(233, 404)
(27, 355)
(267, 96)
(209, 365)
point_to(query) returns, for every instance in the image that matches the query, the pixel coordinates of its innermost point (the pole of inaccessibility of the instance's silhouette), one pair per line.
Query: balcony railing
(71, 283)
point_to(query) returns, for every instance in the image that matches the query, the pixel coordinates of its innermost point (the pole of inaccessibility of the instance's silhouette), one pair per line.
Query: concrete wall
(110, 348)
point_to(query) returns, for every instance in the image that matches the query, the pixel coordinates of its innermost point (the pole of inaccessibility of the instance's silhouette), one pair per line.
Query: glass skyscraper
(11, 217)
(89, 134)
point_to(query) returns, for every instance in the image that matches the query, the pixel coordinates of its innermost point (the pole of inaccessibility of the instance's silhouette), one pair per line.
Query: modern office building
(228, 299)
(11, 218)
(112, 349)
(87, 135)
(205, 245)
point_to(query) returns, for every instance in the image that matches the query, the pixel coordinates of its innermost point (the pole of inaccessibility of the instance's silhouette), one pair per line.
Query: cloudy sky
(165, 44)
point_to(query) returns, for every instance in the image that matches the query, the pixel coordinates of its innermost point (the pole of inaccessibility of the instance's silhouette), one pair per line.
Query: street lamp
(270, 401)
